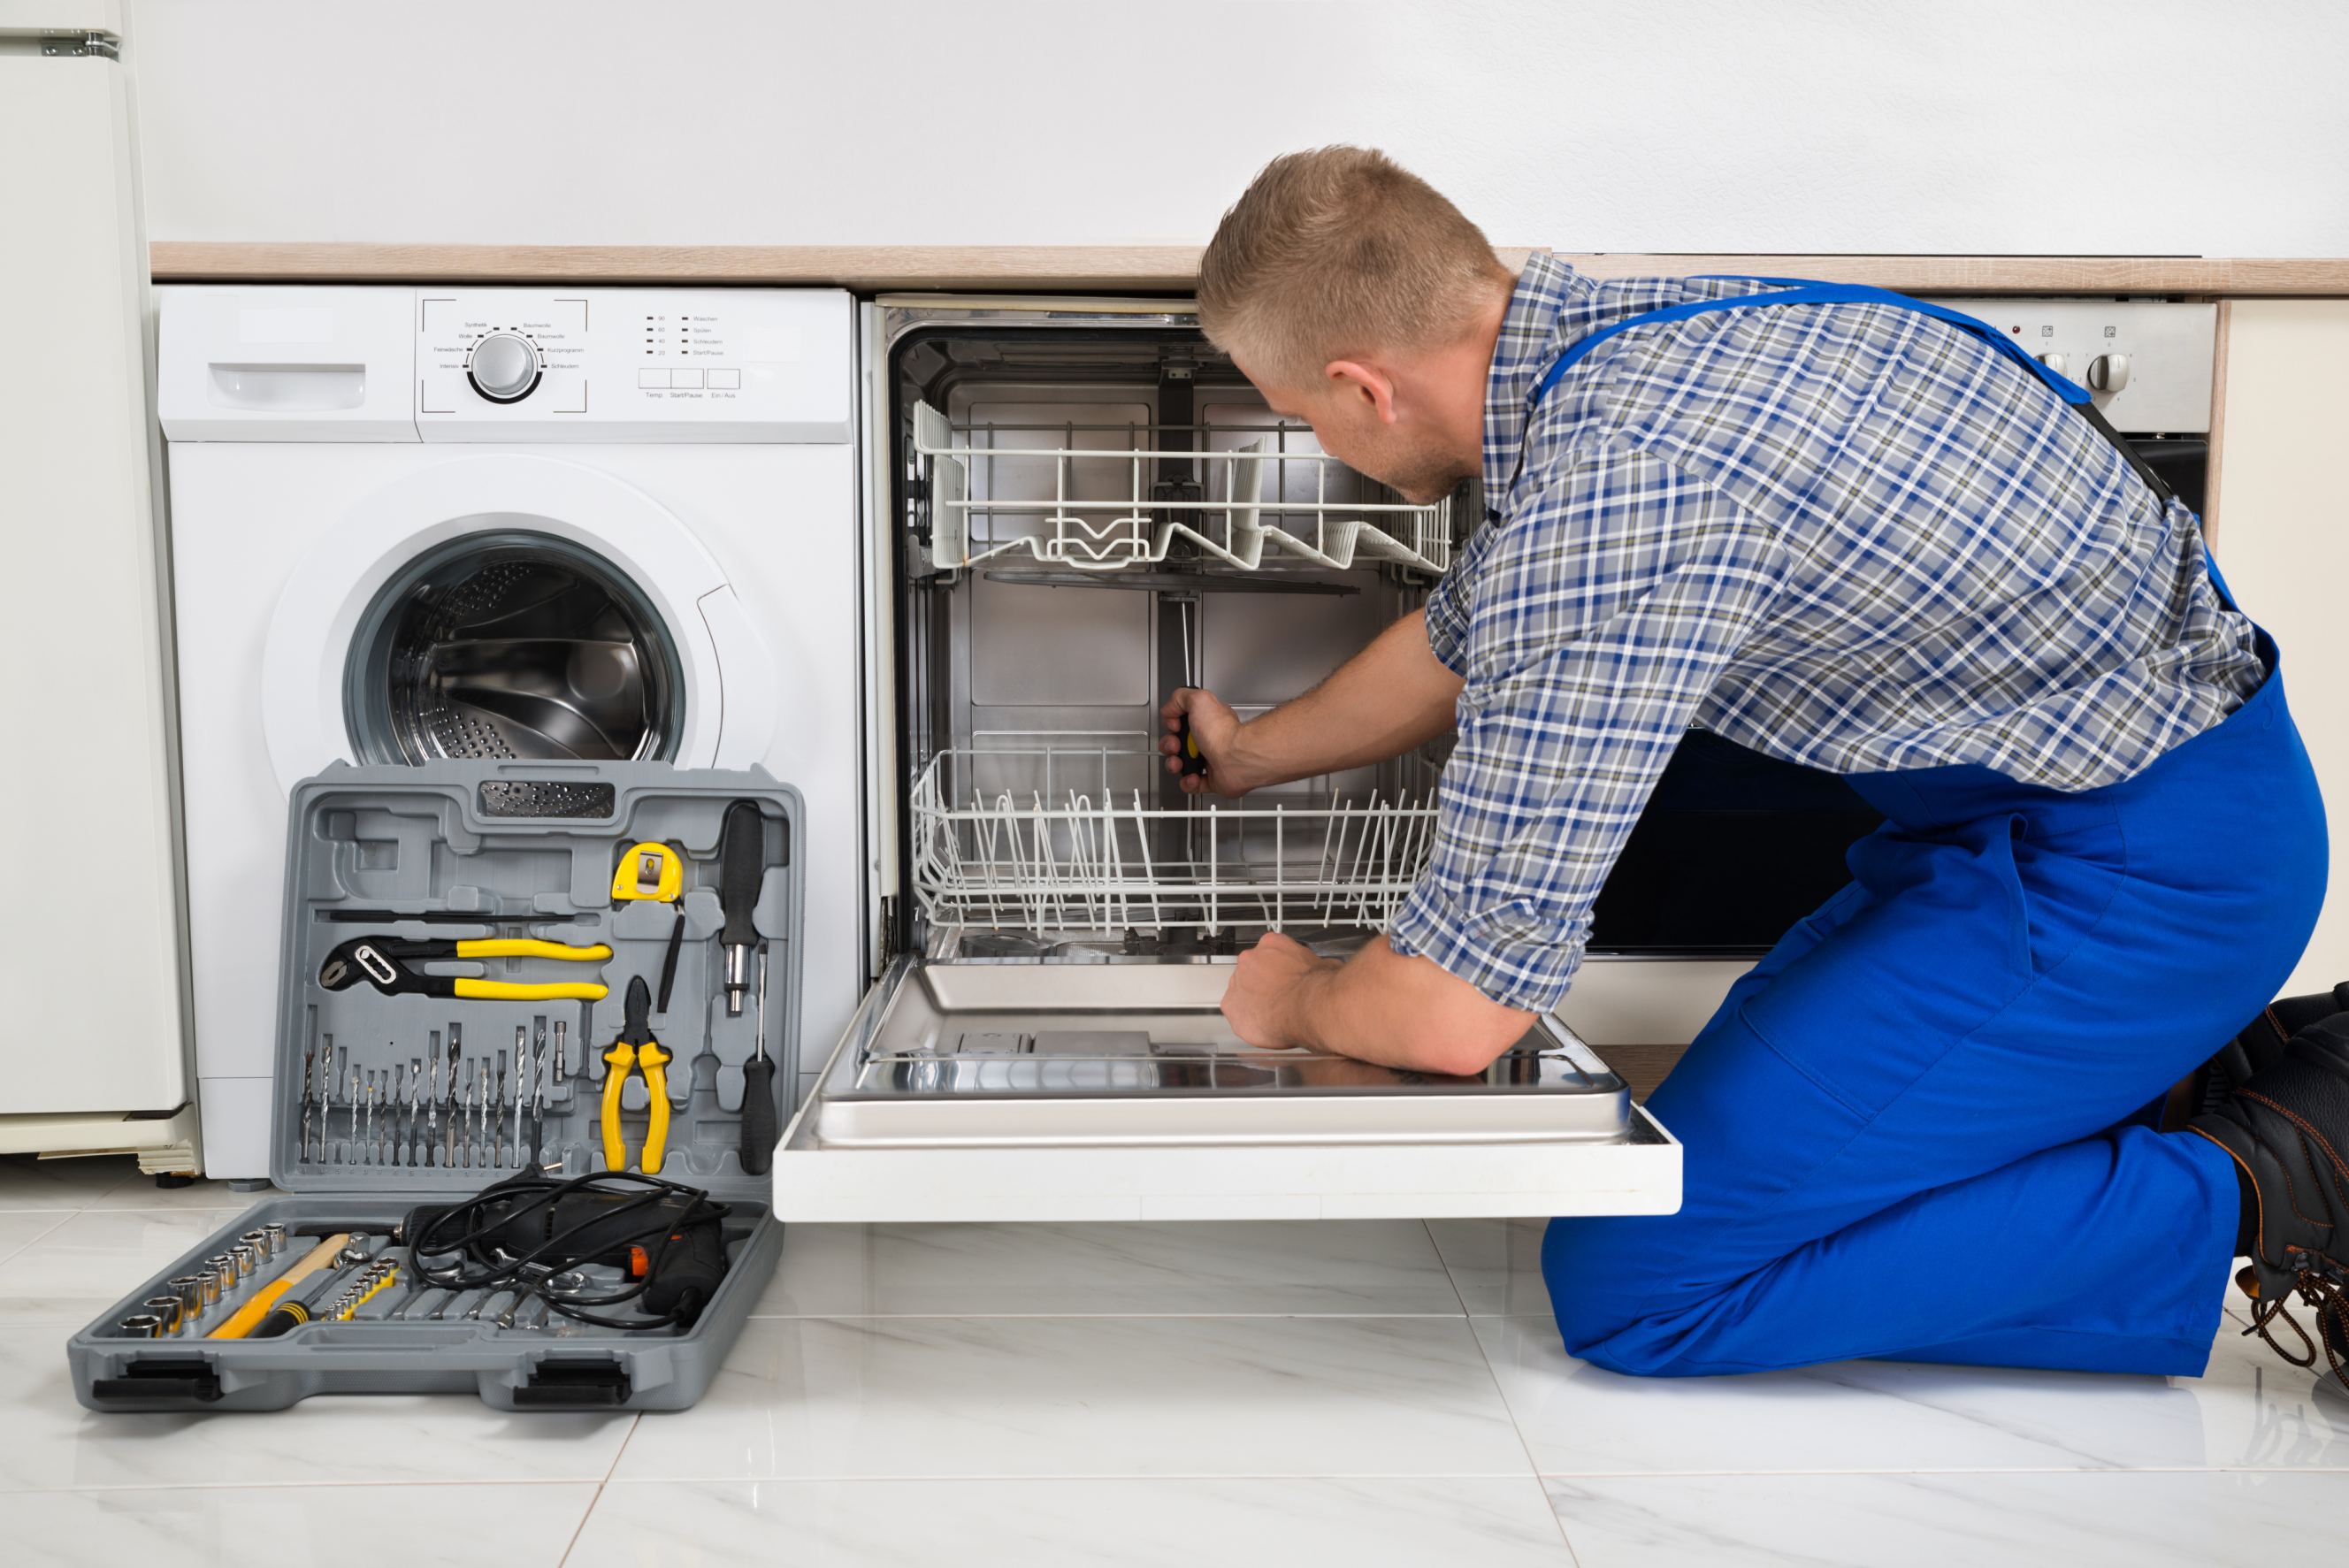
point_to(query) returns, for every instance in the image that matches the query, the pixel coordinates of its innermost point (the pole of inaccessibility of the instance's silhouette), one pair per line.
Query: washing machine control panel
(683, 365)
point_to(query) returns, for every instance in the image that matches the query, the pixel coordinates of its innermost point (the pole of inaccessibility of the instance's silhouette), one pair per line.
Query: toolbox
(439, 923)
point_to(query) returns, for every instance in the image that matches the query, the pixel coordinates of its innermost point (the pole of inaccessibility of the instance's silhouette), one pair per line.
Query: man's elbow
(1471, 1034)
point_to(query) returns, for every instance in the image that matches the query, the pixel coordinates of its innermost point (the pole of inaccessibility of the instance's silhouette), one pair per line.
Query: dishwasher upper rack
(1081, 850)
(1229, 519)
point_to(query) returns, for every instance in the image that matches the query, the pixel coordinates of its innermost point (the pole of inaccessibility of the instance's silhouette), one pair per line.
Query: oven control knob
(2108, 372)
(2058, 363)
(504, 366)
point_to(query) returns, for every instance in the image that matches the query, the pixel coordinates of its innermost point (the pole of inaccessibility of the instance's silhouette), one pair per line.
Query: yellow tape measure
(653, 872)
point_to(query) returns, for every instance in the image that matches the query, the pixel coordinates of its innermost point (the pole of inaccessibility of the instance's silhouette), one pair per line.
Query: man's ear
(1351, 380)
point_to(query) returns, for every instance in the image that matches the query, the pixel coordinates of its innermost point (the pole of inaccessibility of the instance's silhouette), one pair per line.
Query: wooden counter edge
(1162, 269)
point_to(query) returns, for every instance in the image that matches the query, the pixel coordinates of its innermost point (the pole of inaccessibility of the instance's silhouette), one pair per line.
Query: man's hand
(1267, 985)
(1215, 729)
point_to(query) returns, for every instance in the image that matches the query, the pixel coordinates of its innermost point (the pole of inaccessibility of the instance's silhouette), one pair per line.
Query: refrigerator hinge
(106, 45)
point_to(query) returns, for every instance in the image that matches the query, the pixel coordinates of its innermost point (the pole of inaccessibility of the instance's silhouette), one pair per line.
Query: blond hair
(1339, 252)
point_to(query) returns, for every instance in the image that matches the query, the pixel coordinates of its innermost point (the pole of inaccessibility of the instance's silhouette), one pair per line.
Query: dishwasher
(1071, 507)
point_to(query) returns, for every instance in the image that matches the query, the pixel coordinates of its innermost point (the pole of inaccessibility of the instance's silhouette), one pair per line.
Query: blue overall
(1915, 1129)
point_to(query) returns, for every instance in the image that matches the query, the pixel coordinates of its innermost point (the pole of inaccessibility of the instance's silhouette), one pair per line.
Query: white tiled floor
(1363, 1393)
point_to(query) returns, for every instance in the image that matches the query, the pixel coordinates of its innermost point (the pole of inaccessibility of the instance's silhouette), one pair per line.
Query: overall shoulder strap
(1806, 291)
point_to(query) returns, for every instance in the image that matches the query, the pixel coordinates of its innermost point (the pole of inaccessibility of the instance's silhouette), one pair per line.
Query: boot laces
(2318, 1285)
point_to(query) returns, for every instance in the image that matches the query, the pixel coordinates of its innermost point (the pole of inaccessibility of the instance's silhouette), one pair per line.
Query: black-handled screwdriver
(759, 1091)
(1192, 763)
(741, 866)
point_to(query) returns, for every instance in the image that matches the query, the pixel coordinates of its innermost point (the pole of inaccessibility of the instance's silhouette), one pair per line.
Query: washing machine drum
(512, 645)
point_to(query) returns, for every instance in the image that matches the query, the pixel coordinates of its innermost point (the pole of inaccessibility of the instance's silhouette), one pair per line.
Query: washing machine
(413, 523)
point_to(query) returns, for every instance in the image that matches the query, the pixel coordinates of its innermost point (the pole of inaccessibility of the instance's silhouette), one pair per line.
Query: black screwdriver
(741, 866)
(759, 1091)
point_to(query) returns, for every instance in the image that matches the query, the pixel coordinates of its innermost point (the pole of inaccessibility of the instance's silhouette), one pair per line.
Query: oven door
(1114, 1091)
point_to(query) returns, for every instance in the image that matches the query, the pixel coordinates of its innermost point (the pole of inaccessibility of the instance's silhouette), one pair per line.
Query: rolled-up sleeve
(1603, 611)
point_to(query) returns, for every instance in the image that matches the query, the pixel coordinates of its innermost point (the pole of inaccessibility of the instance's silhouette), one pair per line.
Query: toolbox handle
(573, 1384)
(160, 1377)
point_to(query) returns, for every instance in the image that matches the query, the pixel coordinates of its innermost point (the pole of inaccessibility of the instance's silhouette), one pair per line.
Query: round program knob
(2058, 363)
(504, 367)
(2108, 372)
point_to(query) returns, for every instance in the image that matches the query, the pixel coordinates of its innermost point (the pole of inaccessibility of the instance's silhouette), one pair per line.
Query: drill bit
(352, 1085)
(309, 1067)
(521, 1082)
(433, 1095)
(326, 1099)
(415, 1093)
(456, 1034)
(561, 1049)
(391, 1112)
(367, 1143)
(493, 1095)
(538, 1105)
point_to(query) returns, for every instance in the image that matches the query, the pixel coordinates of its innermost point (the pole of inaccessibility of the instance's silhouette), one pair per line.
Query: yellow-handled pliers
(636, 1049)
(382, 962)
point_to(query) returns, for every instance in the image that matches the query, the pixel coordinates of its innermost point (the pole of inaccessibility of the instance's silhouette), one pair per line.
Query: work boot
(2287, 1130)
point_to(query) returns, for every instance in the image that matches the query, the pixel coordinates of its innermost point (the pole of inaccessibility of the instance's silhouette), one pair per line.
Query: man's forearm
(1391, 697)
(1380, 1006)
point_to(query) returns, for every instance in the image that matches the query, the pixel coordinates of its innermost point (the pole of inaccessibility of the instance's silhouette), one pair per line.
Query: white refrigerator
(91, 947)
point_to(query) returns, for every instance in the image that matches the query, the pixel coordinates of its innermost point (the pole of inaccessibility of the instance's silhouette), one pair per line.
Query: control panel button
(2059, 362)
(725, 380)
(2108, 372)
(653, 378)
(503, 367)
(687, 378)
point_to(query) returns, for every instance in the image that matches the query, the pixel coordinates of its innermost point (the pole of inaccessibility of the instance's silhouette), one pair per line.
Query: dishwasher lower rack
(1039, 842)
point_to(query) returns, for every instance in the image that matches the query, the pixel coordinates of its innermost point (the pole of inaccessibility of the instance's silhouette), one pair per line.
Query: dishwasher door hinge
(106, 45)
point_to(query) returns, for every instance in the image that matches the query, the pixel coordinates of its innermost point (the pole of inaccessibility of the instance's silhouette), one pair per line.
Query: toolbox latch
(576, 1383)
(161, 1378)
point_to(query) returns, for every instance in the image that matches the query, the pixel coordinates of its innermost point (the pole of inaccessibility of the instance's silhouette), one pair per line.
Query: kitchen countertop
(1154, 269)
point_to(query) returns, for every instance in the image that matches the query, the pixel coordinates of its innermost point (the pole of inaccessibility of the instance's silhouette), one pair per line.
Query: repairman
(1858, 532)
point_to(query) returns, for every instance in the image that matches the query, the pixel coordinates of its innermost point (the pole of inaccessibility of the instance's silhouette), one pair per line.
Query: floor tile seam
(1449, 1277)
(8, 1491)
(1857, 1472)
(881, 1478)
(1525, 1440)
(996, 1477)
(35, 1239)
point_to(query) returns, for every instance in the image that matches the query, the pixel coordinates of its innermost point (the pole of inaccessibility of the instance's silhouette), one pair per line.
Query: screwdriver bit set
(494, 972)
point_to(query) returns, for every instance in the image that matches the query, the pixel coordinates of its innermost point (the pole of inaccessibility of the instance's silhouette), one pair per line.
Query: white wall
(1981, 126)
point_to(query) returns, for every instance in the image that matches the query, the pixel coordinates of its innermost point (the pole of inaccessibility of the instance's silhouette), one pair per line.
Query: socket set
(498, 977)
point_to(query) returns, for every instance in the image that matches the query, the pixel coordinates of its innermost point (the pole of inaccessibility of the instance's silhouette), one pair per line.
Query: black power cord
(666, 1238)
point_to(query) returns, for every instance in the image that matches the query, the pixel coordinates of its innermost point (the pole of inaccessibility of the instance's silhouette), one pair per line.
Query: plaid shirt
(1850, 536)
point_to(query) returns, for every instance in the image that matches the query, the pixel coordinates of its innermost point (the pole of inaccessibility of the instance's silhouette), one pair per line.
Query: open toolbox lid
(520, 850)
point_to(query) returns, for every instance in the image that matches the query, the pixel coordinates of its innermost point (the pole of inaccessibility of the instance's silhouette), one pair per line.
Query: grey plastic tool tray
(538, 843)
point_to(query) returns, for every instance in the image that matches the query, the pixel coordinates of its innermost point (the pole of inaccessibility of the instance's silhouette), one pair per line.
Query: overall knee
(1600, 1273)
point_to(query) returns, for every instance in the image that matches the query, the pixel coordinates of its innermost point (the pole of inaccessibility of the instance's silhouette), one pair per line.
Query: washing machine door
(513, 605)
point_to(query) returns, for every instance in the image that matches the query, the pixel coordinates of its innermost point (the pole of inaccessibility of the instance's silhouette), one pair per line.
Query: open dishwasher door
(1115, 1091)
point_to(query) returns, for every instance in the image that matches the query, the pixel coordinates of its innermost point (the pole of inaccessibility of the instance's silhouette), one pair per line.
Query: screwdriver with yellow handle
(249, 1320)
(383, 962)
(637, 1050)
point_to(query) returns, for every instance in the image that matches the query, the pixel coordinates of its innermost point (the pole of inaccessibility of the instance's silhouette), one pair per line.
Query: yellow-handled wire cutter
(383, 962)
(636, 1049)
